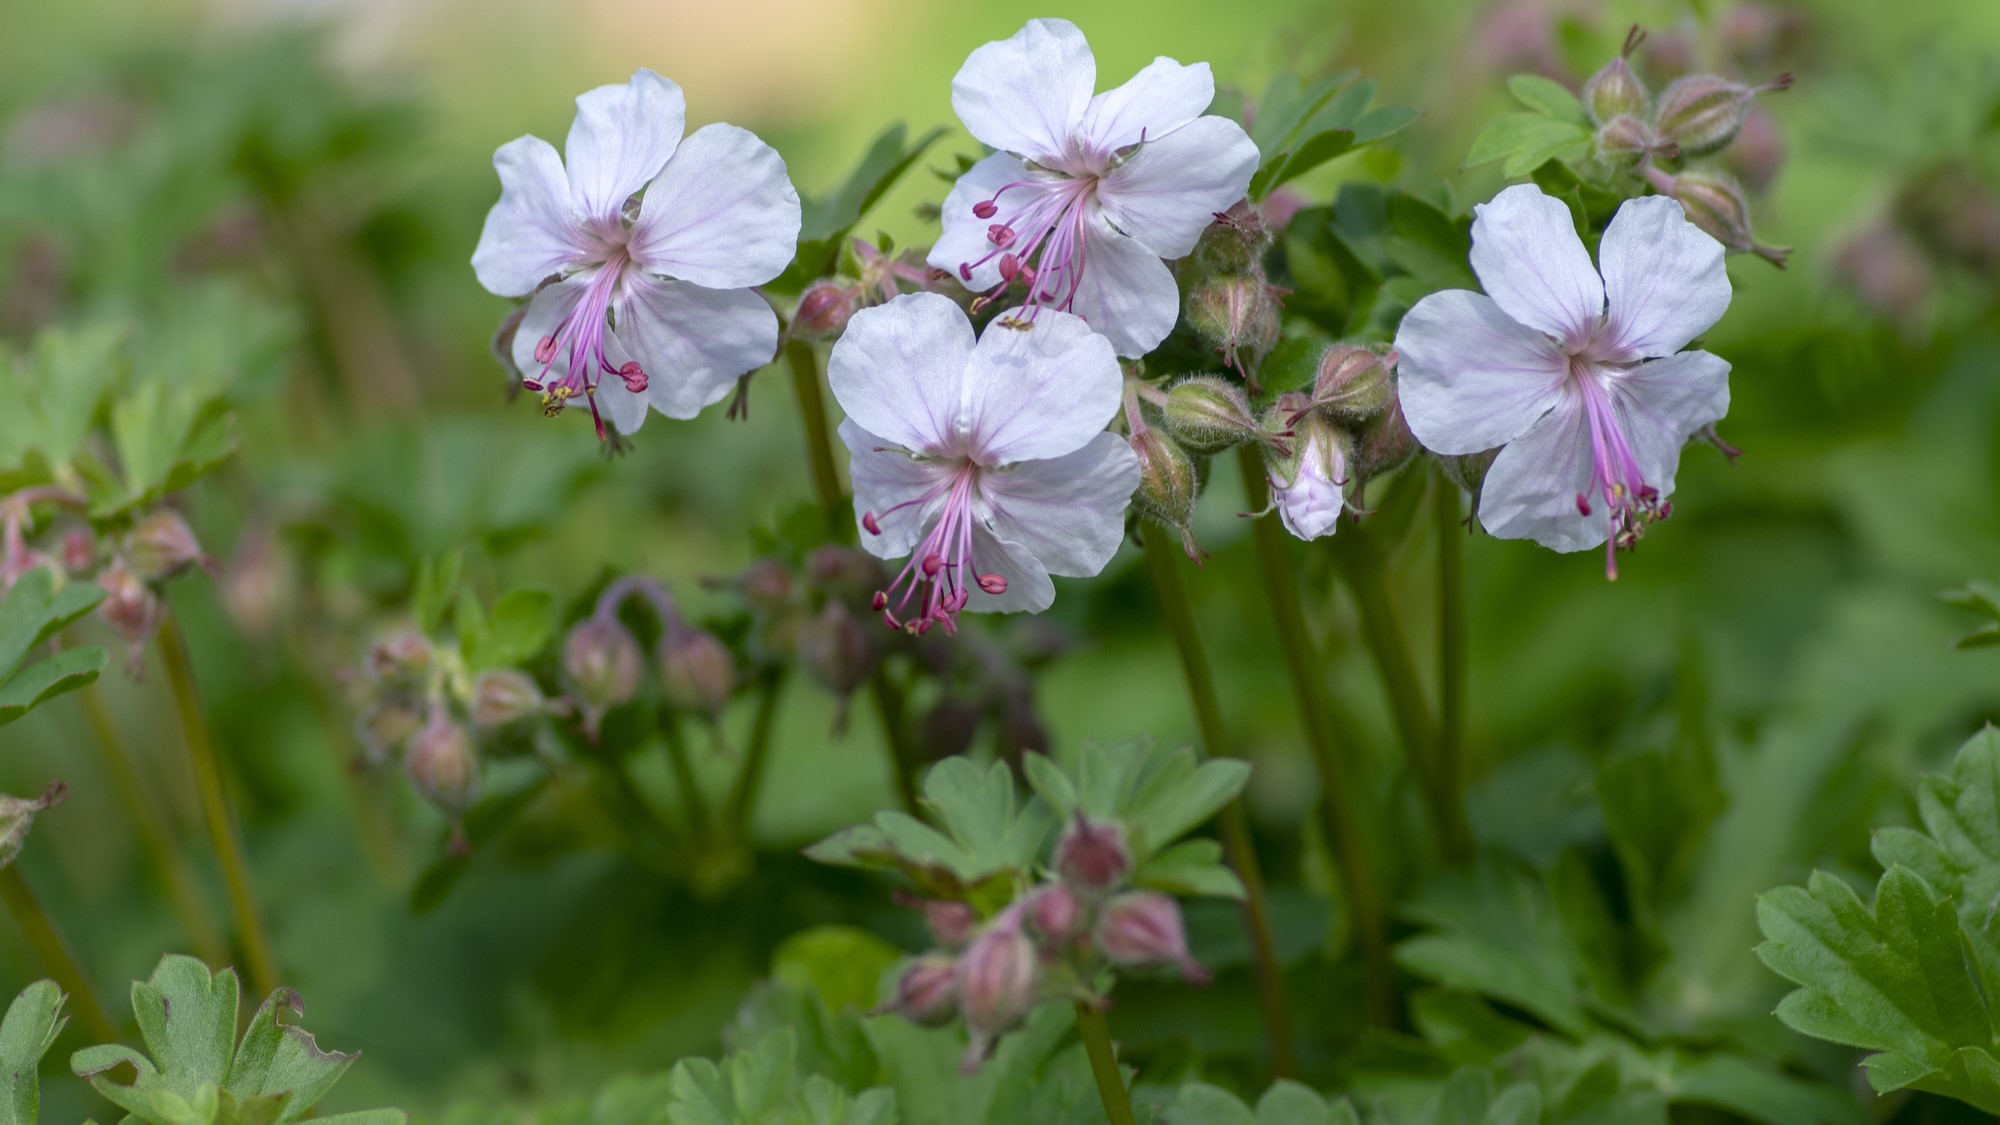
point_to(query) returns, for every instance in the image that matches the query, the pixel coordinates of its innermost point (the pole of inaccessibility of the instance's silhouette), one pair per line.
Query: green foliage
(1913, 975)
(827, 220)
(1299, 127)
(1983, 599)
(1555, 128)
(32, 1023)
(199, 1074)
(984, 834)
(30, 613)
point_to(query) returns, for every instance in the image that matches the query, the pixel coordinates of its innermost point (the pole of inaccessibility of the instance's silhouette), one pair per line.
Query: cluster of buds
(604, 664)
(420, 710)
(1054, 941)
(1229, 302)
(1345, 428)
(1696, 115)
(869, 275)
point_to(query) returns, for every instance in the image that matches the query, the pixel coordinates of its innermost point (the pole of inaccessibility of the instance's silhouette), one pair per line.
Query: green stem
(57, 958)
(1336, 806)
(169, 862)
(1449, 511)
(1360, 560)
(1164, 558)
(750, 779)
(1090, 1024)
(214, 800)
(887, 697)
(693, 806)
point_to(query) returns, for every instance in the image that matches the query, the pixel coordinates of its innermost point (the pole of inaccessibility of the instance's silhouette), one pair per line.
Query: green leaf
(1298, 128)
(54, 397)
(43, 680)
(1191, 867)
(1547, 97)
(32, 1023)
(166, 438)
(983, 834)
(1290, 1103)
(841, 965)
(436, 590)
(826, 221)
(520, 625)
(1526, 141)
(34, 610)
(1497, 933)
(1198, 1103)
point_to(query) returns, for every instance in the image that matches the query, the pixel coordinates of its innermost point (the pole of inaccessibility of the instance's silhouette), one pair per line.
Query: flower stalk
(57, 958)
(742, 799)
(1096, 1033)
(1448, 509)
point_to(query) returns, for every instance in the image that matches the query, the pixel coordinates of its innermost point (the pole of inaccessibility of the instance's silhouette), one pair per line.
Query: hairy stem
(1449, 511)
(1336, 806)
(887, 697)
(1090, 1023)
(693, 806)
(261, 965)
(1164, 558)
(56, 956)
(155, 835)
(742, 798)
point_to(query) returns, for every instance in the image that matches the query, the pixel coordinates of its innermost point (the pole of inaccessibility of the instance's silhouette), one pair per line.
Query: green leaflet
(30, 613)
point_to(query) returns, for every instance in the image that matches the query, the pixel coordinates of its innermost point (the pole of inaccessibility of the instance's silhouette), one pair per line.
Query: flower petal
(622, 410)
(693, 342)
(1038, 392)
(1469, 376)
(532, 232)
(1663, 402)
(1158, 100)
(1068, 511)
(964, 239)
(621, 137)
(546, 312)
(898, 370)
(1126, 291)
(1664, 280)
(1028, 587)
(886, 481)
(1173, 187)
(722, 213)
(1531, 262)
(1026, 94)
(1531, 490)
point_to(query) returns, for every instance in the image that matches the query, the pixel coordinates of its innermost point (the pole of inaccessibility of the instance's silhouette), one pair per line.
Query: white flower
(657, 292)
(1580, 377)
(986, 462)
(1311, 501)
(1087, 194)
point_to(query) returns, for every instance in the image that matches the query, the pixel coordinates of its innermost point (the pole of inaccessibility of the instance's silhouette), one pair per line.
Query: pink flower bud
(926, 992)
(1234, 243)
(696, 672)
(502, 697)
(443, 764)
(1715, 202)
(400, 660)
(384, 728)
(1626, 142)
(1140, 929)
(766, 584)
(1614, 91)
(1237, 316)
(1168, 484)
(162, 546)
(1055, 913)
(131, 608)
(1351, 384)
(951, 923)
(79, 551)
(1209, 414)
(1702, 113)
(824, 309)
(1092, 856)
(1383, 443)
(602, 662)
(998, 979)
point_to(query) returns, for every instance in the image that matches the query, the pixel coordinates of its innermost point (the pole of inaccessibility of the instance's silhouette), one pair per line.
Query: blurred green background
(1792, 597)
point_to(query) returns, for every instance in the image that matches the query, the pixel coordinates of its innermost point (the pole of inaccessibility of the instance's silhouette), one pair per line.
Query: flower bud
(1351, 384)
(603, 663)
(1715, 202)
(696, 672)
(1468, 470)
(766, 585)
(1208, 414)
(402, 659)
(998, 978)
(1383, 444)
(1758, 153)
(1887, 272)
(824, 309)
(1237, 315)
(1139, 929)
(131, 608)
(1614, 91)
(838, 650)
(1168, 485)
(1055, 912)
(1092, 856)
(1626, 142)
(162, 546)
(1701, 113)
(926, 992)
(951, 923)
(442, 763)
(385, 727)
(502, 697)
(1234, 243)
(79, 551)
(17, 816)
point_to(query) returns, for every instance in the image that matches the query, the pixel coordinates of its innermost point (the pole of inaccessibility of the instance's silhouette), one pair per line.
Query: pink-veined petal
(1026, 94)
(892, 485)
(546, 312)
(692, 342)
(1470, 377)
(1665, 401)
(1158, 100)
(964, 241)
(1028, 587)
(898, 371)
(531, 232)
(1173, 187)
(1664, 281)
(1038, 392)
(722, 213)
(1126, 292)
(1068, 511)
(1531, 490)
(1530, 261)
(621, 137)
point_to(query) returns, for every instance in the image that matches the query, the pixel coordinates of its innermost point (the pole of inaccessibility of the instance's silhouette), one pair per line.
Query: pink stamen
(935, 577)
(581, 335)
(1043, 244)
(1616, 476)
(993, 584)
(873, 526)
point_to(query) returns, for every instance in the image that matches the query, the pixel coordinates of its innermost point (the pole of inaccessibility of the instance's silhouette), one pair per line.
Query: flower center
(581, 336)
(1616, 479)
(935, 576)
(1037, 231)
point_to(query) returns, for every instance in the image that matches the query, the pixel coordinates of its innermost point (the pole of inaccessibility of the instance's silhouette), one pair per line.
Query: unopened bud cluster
(1345, 427)
(1696, 115)
(1051, 942)
(1228, 300)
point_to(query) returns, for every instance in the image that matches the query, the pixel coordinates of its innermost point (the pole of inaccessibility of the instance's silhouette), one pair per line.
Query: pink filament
(581, 334)
(1044, 242)
(1630, 502)
(937, 574)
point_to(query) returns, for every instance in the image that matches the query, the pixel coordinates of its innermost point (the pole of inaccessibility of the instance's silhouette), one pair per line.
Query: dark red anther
(1582, 505)
(545, 349)
(985, 208)
(965, 270)
(869, 522)
(1000, 234)
(1009, 266)
(635, 379)
(993, 584)
(932, 564)
(880, 601)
